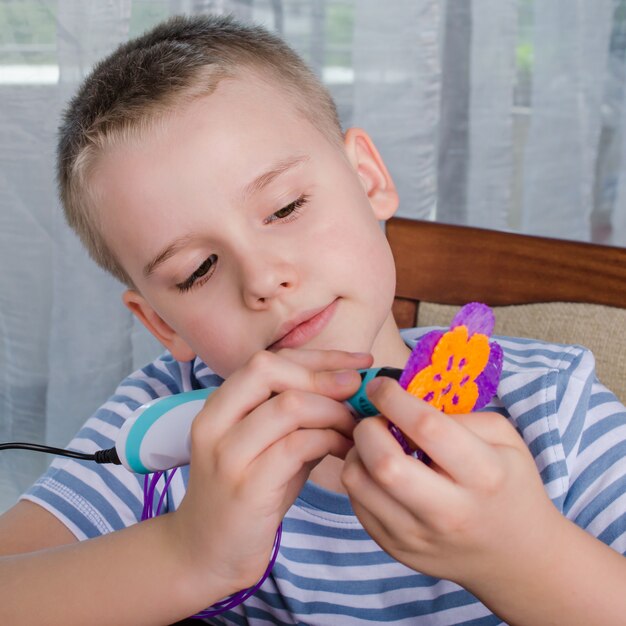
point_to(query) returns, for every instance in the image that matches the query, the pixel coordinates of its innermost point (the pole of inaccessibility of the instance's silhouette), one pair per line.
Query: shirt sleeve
(93, 499)
(592, 424)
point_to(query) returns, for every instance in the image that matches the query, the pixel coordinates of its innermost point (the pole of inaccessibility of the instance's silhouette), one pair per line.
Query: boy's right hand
(253, 446)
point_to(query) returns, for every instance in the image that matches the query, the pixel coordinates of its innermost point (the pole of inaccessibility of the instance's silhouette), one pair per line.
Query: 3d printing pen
(157, 436)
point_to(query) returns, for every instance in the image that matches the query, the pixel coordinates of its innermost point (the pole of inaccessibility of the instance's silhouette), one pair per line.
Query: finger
(427, 493)
(368, 497)
(264, 375)
(279, 470)
(461, 453)
(278, 417)
(493, 428)
(378, 532)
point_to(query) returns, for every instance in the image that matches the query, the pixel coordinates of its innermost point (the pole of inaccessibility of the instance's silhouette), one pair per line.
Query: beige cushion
(602, 329)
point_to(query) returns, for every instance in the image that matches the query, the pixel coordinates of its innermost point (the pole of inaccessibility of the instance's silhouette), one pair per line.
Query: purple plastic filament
(149, 488)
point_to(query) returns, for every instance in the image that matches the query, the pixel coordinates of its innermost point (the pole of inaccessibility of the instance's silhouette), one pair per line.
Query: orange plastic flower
(449, 382)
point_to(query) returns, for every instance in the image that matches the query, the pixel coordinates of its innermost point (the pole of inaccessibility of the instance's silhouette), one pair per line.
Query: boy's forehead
(253, 134)
(245, 127)
(228, 145)
(248, 98)
(249, 120)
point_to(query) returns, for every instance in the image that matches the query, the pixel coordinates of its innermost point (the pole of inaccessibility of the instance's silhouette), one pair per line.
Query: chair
(551, 289)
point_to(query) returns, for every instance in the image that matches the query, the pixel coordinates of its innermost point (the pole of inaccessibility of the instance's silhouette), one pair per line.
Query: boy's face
(244, 228)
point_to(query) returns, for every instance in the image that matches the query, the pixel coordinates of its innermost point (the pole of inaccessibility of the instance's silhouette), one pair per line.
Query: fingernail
(344, 377)
(360, 355)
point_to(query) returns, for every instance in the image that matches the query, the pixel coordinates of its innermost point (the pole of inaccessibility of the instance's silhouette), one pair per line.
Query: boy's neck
(327, 474)
(389, 349)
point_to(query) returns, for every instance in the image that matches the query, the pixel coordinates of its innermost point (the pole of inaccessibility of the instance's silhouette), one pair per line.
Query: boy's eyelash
(290, 211)
(200, 276)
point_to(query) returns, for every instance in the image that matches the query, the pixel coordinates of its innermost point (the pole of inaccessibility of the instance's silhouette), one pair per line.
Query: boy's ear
(373, 173)
(166, 335)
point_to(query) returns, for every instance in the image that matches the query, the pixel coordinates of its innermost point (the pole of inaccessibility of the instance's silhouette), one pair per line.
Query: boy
(204, 166)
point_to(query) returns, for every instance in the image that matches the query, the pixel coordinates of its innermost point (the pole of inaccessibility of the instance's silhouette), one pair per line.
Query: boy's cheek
(217, 346)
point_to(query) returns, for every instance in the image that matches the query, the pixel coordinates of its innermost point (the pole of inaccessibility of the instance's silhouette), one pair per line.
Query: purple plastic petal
(487, 380)
(420, 356)
(399, 437)
(477, 317)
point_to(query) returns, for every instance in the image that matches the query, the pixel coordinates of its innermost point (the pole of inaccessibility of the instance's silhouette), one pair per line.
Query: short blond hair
(148, 77)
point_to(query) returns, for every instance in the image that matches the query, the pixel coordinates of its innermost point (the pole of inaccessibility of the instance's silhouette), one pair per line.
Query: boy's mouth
(304, 327)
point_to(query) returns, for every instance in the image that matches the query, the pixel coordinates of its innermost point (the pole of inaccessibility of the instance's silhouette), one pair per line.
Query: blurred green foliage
(339, 30)
(28, 28)
(27, 31)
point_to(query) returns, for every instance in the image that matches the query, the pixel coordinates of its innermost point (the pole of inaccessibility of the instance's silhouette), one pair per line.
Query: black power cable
(100, 456)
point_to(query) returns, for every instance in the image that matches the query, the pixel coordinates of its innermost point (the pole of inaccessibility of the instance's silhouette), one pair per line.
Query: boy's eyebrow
(167, 252)
(267, 177)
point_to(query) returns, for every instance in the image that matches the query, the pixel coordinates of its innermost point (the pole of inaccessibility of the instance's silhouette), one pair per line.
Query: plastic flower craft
(456, 371)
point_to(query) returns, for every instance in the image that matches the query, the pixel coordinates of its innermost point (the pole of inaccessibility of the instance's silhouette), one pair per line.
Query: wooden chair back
(457, 264)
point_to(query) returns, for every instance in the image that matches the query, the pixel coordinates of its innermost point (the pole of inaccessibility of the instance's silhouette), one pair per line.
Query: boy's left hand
(477, 512)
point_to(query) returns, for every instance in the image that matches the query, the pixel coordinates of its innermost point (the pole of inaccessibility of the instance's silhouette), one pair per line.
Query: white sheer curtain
(505, 114)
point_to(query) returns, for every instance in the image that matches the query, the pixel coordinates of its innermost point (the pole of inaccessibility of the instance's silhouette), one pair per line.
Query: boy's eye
(204, 271)
(291, 211)
(284, 212)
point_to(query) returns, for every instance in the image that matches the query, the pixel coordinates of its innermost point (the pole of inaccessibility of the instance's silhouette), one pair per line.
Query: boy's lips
(304, 327)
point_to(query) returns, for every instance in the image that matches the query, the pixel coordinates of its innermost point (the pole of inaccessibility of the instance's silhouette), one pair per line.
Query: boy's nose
(265, 279)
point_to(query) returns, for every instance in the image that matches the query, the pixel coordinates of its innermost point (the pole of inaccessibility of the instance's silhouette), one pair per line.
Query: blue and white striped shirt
(329, 572)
